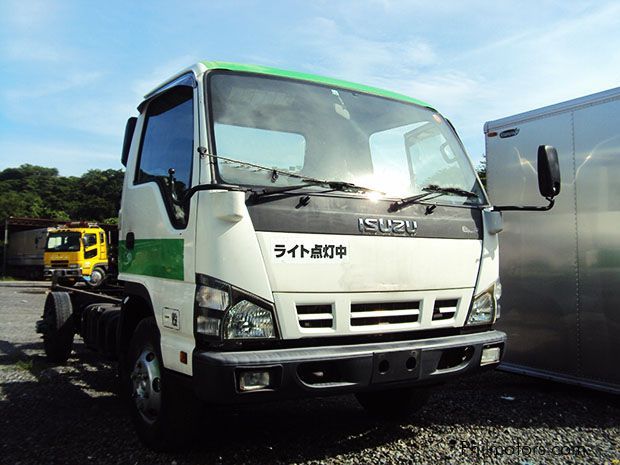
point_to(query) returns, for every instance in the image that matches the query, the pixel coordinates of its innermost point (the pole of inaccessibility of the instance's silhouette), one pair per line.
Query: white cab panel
(371, 263)
(489, 265)
(228, 247)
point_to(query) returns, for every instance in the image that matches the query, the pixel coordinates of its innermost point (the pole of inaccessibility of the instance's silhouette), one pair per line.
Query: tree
(39, 192)
(481, 169)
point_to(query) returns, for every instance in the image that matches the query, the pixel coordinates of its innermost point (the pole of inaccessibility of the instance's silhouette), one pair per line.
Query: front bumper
(63, 272)
(318, 371)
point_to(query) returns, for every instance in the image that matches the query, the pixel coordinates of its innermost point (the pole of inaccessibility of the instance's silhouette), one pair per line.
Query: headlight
(485, 308)
(248, 320)
(221, 310)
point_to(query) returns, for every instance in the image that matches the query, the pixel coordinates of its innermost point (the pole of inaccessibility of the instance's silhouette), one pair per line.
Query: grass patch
(25, 365)
(7, 278)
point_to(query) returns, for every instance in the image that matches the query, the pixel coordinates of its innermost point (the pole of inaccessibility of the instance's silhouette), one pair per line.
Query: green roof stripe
(312, 78)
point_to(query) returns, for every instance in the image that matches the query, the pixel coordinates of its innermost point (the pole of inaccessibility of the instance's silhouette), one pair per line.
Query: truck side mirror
(548, 171)
(548, 180)
(130, 127)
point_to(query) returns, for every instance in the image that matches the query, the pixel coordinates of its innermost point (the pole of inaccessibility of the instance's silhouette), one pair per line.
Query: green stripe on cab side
(161, 258)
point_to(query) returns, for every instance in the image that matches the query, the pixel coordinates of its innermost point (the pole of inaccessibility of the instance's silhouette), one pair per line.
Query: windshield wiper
(430, 190)
(276, 172)
(332, 185)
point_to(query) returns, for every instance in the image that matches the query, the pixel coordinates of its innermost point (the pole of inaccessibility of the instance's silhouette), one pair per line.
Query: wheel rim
(146, 382)
(96, 277)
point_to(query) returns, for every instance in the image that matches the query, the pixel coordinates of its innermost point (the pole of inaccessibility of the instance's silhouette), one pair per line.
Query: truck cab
(284, 234)
(76, 252)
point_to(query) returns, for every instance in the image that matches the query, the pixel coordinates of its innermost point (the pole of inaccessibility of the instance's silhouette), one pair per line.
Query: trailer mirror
(129, 130)
(548, 171)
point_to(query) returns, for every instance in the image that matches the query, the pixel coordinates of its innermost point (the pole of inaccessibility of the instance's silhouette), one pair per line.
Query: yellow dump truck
(77, 252)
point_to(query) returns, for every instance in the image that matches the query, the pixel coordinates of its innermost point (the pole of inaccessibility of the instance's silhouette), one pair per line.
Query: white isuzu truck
(284, 234)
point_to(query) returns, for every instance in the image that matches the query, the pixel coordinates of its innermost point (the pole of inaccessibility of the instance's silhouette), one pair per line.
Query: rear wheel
(58, 327)
(393, 403)
(162, 410)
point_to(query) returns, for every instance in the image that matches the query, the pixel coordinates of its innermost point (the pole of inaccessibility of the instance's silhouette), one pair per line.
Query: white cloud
(26, 15)
(35, 50)
(29, 32)
(343, 53)
(76, 102)
(161, 71)
(49, 87)
(510, 59)
(70, 159)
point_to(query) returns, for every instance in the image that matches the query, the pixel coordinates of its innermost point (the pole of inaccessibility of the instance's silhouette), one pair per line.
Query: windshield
(331, 133)
(63, 242)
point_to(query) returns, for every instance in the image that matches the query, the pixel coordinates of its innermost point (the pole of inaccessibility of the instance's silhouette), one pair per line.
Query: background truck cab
(76, 252)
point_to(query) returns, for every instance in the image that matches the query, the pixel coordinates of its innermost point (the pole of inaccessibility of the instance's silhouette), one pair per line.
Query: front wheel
(97, 278)
(160, 409)
(393, 403)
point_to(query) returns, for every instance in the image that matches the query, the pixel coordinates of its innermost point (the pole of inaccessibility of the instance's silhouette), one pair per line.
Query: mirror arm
(504, 208)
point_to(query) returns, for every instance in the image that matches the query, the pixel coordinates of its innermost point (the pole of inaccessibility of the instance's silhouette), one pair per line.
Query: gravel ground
(70, 414)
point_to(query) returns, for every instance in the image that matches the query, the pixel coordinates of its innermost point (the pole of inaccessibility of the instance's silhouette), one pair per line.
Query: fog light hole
(384, 366)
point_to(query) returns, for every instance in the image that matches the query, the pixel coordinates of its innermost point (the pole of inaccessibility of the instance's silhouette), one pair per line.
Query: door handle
(130, 240)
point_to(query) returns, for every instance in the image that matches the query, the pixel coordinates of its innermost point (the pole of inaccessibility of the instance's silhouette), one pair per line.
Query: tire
(111, 330)
(59, 327)
(97, 278)
(163, 412)
(102, 328)
(393, 403)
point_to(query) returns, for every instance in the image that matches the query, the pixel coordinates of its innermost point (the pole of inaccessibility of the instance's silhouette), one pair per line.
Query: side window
(167, 149)
(90, 240)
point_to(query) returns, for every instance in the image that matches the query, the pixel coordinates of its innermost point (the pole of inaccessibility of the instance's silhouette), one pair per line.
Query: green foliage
(481, 169)
(38, 192)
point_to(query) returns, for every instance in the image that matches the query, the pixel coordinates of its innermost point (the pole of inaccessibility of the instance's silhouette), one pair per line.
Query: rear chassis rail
(81, 297)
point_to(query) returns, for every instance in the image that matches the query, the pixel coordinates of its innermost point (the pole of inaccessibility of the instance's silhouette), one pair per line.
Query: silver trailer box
(25, 253)
(560, 269)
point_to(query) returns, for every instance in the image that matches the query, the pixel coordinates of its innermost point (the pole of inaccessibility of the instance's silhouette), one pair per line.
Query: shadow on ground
(70, 414)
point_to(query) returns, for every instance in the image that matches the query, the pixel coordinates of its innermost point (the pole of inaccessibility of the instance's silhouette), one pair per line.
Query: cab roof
(266, 70)
(203, 66)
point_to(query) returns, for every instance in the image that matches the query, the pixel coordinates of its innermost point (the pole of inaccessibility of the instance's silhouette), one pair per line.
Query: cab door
(157, 231)
(103, 247)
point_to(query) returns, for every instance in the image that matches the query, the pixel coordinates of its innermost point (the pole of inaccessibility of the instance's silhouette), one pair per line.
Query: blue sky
(71, 73)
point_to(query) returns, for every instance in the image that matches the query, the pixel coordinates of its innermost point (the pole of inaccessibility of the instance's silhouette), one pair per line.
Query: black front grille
(444, 309)
(382, 313)
(60, 263)
(315, 316)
